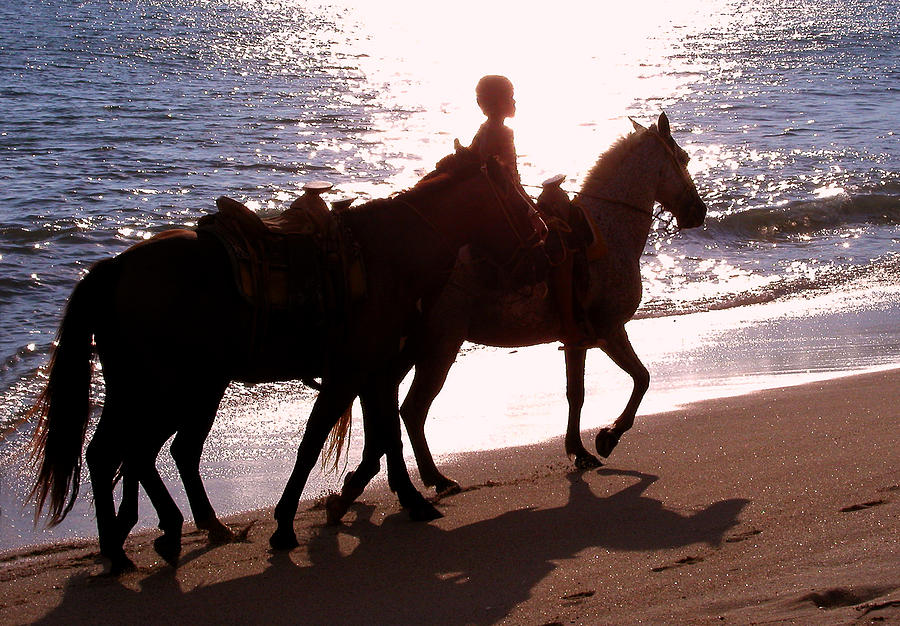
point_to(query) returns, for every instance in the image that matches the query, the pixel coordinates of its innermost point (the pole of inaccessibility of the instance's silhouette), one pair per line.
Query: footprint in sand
(871, 503)
(864, 505)
(688, 560)
(577, 598)
(744, 536)
(837, 597)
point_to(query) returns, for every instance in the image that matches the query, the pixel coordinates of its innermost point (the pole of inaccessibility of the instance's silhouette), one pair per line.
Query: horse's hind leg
(382, 428)
(385, 426)
(355, 482)
(419, 509)
(619, 349)
(187, 448)
(330, 405)
(103, 460)
(169, 545)
(171, 521)
(575, 360)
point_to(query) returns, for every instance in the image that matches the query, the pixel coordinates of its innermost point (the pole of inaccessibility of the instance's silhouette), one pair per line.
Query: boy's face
(502, 105)
(510, 104)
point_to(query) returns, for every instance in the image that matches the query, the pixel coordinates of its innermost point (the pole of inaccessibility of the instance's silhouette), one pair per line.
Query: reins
(504, 209)
(524, 242)
(655, 215)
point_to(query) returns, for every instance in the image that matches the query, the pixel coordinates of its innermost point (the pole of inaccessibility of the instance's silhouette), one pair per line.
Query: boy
(494, 95)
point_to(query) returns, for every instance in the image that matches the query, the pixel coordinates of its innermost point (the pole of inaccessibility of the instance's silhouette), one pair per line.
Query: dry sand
(777, 506)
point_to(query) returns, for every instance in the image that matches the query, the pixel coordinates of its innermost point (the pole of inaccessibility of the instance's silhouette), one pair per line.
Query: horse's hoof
(584, 460)
(283, 539)
(606, 441)
(446, 488)
(218, 534)
(336, 507)
(424, 512)
(121, 564)
(169, 548)
(242, 535)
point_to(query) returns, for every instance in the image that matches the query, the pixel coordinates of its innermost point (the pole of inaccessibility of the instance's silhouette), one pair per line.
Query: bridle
(658, 214)
(679, 167)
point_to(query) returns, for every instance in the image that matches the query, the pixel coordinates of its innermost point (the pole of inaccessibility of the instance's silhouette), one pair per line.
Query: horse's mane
(609, 162)
(447, 172)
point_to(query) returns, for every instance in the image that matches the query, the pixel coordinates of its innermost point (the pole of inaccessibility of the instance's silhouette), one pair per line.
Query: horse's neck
(621, 202)
(407, 240)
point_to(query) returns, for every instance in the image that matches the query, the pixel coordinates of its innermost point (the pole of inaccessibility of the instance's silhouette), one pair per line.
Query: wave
(880, 273)
(807, 217)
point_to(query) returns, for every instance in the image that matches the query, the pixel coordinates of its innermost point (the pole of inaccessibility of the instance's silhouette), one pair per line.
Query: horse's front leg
(575, 359)
(187, 448)
(432, 367)
(333, 400)
(618, 348)
(384, 424)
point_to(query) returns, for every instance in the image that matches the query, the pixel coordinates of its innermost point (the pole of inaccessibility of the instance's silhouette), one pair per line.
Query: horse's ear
(663, 125)
(457, 147)
(637, 126)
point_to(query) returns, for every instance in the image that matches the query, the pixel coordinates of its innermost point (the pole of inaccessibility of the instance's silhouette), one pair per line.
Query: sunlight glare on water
(578, 70)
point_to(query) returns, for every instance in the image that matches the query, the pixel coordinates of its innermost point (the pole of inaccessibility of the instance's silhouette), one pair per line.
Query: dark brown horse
(645, 167)
(171, 331)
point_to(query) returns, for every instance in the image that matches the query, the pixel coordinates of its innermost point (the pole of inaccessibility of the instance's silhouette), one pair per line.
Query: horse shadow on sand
(399, 572)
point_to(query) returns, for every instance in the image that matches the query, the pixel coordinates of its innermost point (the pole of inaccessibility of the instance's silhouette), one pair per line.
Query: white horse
(645, 167)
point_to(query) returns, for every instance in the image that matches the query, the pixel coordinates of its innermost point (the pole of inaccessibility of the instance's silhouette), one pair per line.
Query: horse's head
(676, 191)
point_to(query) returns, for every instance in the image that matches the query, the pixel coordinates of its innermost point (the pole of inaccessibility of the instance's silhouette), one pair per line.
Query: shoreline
(759, 507)
(500, 398)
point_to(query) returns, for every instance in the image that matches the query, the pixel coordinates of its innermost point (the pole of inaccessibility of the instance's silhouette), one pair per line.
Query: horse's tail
(64, 405)
(337, 441)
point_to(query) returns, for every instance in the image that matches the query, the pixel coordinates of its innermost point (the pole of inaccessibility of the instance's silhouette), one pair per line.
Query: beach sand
(782, 505)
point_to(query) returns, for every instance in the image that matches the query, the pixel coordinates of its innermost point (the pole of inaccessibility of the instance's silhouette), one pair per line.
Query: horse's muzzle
(694, 215)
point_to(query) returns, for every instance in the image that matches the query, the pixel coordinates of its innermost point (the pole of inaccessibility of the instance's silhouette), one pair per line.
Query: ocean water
(122, 119)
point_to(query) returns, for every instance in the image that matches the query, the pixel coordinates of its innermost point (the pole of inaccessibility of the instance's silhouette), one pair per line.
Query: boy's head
(494, 95)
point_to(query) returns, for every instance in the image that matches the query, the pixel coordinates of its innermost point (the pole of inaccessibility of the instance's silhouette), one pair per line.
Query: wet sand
(779, 505)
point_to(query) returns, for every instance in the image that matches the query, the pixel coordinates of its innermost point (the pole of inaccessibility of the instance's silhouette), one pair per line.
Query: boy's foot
(582, 344)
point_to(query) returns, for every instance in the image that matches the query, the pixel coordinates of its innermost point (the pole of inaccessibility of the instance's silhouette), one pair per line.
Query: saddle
(288, 267)
(571, 229)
